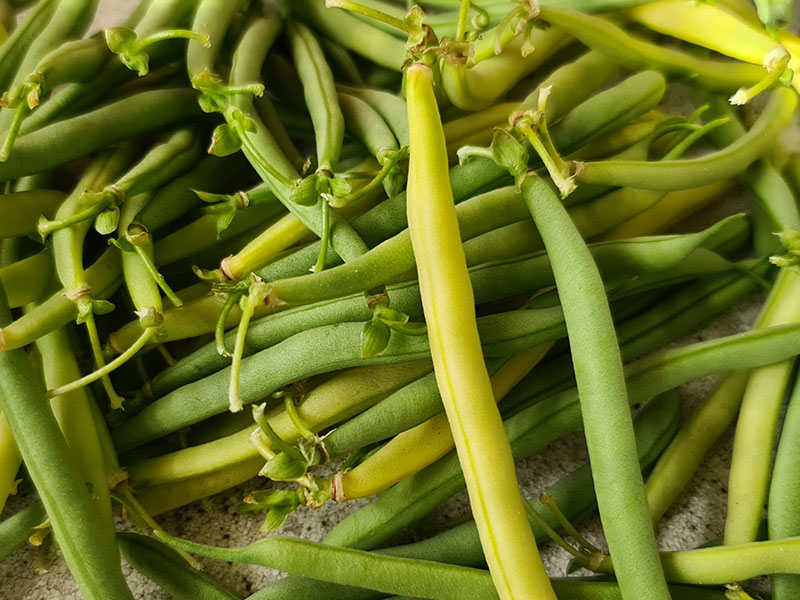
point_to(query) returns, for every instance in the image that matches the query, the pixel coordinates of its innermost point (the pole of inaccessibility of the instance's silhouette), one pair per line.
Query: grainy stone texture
(697, 516)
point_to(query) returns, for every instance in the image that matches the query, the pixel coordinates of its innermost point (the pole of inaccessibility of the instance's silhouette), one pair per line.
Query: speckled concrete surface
(697, 516)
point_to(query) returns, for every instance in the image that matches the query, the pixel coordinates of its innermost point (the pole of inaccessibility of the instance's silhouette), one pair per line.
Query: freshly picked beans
(340, 260)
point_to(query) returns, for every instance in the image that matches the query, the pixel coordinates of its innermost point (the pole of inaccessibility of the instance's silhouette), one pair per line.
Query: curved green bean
(697, 172)
(73, 138)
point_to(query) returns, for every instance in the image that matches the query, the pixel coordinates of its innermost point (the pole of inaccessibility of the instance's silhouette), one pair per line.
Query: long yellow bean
(448, 303)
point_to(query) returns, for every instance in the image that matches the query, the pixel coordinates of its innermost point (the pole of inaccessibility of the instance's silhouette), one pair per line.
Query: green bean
(104, 277)
(630, 99)
(77, 60)
(263, 151)
(73, 138)
(148, 21)
(463, 381)
(354, 34)
(770, 190)
(490, 282)
(15, 530)
(87, 546)
(503, 334)
(390, 107)
(326, 405)
(721, 564)
(655, 425)
(782, 513)
(759, 415)
(634, 52)
(366, 124)
(69, 20)
(214, 18)
(643, 333)
(390, 574)
(29, 279)
(697, 172)
(12, 52)
(320, 94)
(601, 385)
(68, 246)
(693, 441)
(169, 570)
(532, 429)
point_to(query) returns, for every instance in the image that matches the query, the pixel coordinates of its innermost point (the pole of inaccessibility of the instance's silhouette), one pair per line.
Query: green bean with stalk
(409, 406)
(12, 51)
(619, 261)
(461, 545)
(68, 21)
(68, 245)
(696, 172)
(79, 136)
(149, 22)
(103, 277)
(86, 544)
(537, 426)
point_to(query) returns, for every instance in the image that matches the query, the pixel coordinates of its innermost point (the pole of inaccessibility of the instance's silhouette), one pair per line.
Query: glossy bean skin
(73, 138)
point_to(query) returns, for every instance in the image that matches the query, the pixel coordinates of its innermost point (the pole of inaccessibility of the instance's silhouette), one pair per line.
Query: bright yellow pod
(449, 307)
(706, 25)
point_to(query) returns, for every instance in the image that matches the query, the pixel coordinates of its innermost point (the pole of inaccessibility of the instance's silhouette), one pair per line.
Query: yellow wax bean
(448, 303)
